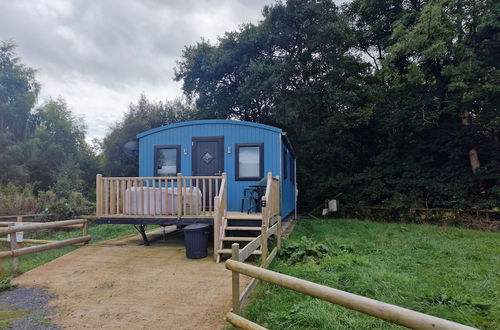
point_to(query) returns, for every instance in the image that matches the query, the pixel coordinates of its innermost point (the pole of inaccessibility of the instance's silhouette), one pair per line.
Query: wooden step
(243, 216)
(244, 228)
(229, 251)
(238, 239)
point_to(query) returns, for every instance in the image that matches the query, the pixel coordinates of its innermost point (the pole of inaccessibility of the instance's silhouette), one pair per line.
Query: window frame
(237, 146)
(177, 147)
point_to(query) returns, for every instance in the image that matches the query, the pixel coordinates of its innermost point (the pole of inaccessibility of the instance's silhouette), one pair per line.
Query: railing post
(278, 195)
(236, 279)
(216, 227)
(263, 246)
(179, 195)
(19, 218)
(13, 246)
(278, 233)
(265, 210)
(224, 196)
(98, 195)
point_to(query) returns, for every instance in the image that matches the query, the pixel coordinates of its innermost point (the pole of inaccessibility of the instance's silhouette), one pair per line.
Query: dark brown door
(208, 160)
(208, 156)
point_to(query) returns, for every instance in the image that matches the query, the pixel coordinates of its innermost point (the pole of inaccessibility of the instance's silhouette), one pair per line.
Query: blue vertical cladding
(287, 184)
(233, 132)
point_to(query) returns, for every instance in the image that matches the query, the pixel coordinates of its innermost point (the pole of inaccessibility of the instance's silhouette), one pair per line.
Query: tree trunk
(473, 157)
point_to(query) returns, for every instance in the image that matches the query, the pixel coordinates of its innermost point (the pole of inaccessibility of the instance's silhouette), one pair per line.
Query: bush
(22, 200)
(75, 205)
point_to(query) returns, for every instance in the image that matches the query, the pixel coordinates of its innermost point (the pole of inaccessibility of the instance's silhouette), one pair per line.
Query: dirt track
(121, 285)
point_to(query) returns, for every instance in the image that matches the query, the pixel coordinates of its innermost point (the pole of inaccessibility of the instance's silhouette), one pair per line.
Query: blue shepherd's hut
(235, 177)
(246, 151)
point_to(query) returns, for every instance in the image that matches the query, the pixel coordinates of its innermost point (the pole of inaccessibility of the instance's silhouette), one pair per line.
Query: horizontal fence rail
(20, 217)
(378, 309)
(20, 227)
(158, 197)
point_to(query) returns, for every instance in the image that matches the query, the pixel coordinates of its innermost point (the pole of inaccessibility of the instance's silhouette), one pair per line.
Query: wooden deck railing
(378, 309)
(158, 197)
(220, 216)
(15, 227)
(271, 200)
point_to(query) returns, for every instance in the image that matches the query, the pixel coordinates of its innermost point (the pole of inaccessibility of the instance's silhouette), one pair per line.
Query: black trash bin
(196, 240)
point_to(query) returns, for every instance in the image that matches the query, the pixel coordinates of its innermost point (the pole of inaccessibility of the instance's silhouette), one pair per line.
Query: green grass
(30, 261)
(447, 272)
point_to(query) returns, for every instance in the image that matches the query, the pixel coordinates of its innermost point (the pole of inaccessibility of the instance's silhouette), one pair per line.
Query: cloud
(101, 55)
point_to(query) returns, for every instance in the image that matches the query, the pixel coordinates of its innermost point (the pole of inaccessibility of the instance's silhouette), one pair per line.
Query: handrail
(243, 254)
(160, 177)
(220, 210)
(378, 309)
(271, 199)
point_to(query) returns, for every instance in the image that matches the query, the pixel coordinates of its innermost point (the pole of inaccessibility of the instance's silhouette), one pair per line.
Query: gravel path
(32, 300)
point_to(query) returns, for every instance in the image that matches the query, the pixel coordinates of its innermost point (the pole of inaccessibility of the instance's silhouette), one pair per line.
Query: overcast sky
(101, 55)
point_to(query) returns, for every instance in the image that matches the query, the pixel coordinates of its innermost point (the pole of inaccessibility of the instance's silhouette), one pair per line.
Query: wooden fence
(238, 255)
(156, 197)
(20, 218)
(378, 309)
(15, 227)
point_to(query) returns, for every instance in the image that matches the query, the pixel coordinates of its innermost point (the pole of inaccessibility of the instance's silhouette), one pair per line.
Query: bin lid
(197, 227)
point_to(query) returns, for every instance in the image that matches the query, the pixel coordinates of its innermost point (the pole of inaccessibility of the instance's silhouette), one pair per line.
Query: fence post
(236, 279)
(13, 246)
(19, 218)
(263, 245)
(179, 195)
(85, 230)
(98, 195)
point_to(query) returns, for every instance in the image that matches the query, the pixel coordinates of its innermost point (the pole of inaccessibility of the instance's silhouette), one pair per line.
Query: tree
(57, 137)
(403, 124)
(294, 70)
(141, 117)
(18, 92)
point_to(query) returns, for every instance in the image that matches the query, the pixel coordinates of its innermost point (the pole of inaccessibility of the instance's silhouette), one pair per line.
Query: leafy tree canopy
(387, 102)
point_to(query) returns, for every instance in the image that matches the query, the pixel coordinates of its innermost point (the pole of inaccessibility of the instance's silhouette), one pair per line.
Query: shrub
(22, 200)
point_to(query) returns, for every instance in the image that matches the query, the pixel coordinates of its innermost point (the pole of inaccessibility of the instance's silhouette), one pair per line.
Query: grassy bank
(30, 261)
(447, 272)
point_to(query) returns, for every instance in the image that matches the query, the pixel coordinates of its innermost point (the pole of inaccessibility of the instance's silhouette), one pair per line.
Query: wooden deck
(182, 200)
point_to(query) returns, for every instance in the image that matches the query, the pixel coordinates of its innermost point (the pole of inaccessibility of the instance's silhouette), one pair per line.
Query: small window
(167, 160)
(249, 161)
